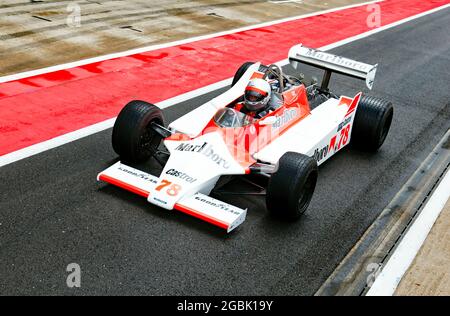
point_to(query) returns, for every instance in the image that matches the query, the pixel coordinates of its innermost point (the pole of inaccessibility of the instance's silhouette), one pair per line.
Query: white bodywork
(313, 133)
(203, 159)
(196, 164)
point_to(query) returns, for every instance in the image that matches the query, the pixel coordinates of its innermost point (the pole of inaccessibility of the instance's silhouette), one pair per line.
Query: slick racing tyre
(372, 123)
(133, 137)
(240, 72)
(291, 187)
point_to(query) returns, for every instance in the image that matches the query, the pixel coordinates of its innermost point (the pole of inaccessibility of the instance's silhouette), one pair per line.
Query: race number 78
(344, 137)
(172, 188)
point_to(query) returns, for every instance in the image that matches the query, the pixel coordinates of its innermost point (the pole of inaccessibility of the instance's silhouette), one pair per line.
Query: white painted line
(55, 142)
(89, 130)
(141, 50)
(388, 280)
(286, 1)
(194, 94)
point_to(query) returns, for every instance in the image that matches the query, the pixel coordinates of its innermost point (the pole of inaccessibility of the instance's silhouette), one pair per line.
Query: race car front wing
(198, 205)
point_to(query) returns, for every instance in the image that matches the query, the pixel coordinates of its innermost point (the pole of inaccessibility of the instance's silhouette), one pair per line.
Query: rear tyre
(133, 138)
(291, 188)
(372, 123)
(240, 72)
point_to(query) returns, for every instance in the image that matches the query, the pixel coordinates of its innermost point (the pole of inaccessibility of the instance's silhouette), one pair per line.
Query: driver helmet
(257, 95)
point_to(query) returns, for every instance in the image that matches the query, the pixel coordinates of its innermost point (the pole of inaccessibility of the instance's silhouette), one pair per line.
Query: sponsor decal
(337, 142)
(337, 60)
(181, 175)
(320, 154)
(191, 147)
(160, 201)
(221, 206)
(140, 175)
(287, 116)
(345, 122)
(206, 150)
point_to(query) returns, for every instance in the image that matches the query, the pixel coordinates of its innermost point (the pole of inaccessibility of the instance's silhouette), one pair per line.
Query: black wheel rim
(149, 140)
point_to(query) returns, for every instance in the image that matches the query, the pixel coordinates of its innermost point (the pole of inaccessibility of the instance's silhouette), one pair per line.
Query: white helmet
(257, 95)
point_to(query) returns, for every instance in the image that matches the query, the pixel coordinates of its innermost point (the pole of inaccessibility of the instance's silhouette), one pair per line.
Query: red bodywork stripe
(353, 105)
(201, 216)
(333, 143)
(124, 185)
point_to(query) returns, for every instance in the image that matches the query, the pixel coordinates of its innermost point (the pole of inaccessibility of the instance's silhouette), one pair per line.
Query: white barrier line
(391, 275)
(98, 127)
(146, 49)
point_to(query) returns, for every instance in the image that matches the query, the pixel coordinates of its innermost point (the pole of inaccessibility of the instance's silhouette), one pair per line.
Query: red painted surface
(39, 108)
(353, 105)
(201, 216)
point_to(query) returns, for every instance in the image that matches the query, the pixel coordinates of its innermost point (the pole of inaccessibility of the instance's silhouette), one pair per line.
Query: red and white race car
(306, 126)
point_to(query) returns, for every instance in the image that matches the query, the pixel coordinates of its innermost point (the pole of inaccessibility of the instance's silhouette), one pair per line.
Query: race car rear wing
(332, 63)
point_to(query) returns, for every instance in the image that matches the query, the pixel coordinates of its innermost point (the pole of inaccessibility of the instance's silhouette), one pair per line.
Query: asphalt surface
(53, 212)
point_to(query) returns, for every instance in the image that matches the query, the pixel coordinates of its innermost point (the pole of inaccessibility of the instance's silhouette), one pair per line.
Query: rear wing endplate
(332, 63)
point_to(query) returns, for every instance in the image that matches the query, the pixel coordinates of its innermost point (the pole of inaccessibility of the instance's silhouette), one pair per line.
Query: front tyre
(372, 123)
(133, 137)
(291, 187)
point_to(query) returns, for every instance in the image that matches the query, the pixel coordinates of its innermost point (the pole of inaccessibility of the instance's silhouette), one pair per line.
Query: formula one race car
(305, 125)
